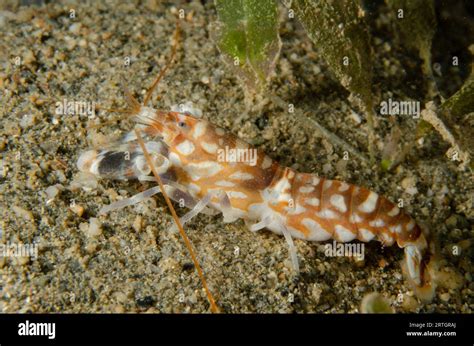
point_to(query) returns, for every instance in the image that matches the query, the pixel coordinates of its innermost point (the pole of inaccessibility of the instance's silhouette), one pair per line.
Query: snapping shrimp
(185, 152)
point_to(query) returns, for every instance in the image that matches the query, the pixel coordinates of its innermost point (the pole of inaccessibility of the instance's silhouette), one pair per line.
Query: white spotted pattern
(365, 234)
(225, 183)
(343, 234)
(210, 148)
(338, 202)
(327, 214)
(377, 223)
(306, 189)
(327, 184)
(317, 232)
(174, 159)
(343, 187)
(185, 147)
(199, 129)
(239, 175)
(312, 201)
(370, 203)
(203, 169)
(236, 194)
(297, 210)
(394, 212)
(396, 229)
(354, 218)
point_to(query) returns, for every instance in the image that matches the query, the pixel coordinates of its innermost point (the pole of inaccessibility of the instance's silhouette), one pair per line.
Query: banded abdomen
(319, 209)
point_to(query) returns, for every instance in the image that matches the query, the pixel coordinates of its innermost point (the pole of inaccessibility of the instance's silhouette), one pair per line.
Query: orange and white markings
(210, 148)
(199, 130)
(185, 148)
(370, 203)
(265, 195)
(338, 202)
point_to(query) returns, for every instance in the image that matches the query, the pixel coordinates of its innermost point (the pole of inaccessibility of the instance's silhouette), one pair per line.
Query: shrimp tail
(420, 265)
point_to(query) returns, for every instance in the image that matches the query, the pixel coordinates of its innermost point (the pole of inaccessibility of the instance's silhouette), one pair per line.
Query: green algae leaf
(458, 114)
(416, 23)
(462, 102)
(385, 164)
(339, 32)
(247, 34)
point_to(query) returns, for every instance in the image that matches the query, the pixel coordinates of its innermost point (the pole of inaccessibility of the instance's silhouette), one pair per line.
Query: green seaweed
(386, 164)
(423, 128)
(458, 114)
(462, 102)
(247, 35)
(416, 23)
(339, 32)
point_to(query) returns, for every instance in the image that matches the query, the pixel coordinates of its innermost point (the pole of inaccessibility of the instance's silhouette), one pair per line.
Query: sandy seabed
(131, 262)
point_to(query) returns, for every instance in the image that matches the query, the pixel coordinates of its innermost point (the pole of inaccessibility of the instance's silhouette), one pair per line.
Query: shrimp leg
(175, 193)
(199, 207)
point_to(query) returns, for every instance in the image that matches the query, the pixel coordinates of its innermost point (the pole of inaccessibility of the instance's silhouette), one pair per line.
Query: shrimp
(210, 170)
(192, 157)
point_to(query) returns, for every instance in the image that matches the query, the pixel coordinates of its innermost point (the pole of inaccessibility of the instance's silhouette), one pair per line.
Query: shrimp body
(260, 191)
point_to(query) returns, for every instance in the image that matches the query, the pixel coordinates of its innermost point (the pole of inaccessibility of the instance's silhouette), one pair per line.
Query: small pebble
(316, 293)
(327, 168)
(445, 297)
(52, 192)
(409, 303)
(409, 184)
(23, 213)
(77, 209)
(94, 229)
(355, 117)
(29, 57)
(27, 120)
(75, 28)
(272, 279)
(91, 247)
(137, 224)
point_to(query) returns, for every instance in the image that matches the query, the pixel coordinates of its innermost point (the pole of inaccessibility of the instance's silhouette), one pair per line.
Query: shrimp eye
(181, 124)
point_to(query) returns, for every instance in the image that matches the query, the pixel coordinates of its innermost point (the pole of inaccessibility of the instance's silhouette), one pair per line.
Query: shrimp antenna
(133, 107)
(174, 47)
(132, 103)
(187, 242)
